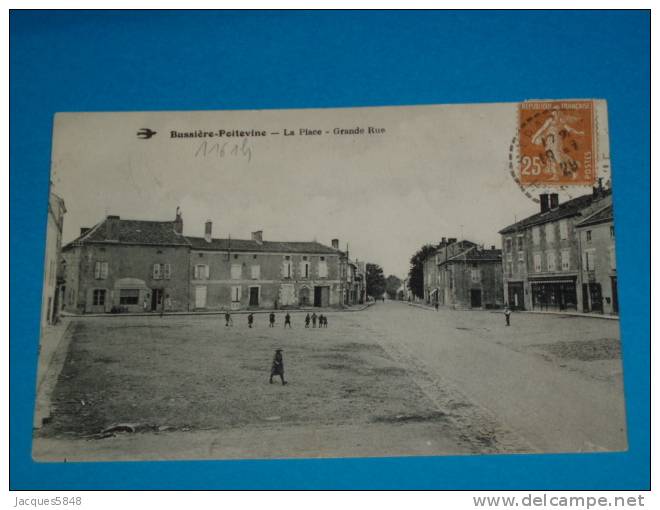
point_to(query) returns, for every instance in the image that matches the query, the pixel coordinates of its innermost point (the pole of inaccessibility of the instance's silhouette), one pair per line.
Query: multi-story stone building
(598, 272)
(127, 265)
(52, 295)
(465, 275)
(135, 265)
(430, 272)
(235, 274)
(541, 255)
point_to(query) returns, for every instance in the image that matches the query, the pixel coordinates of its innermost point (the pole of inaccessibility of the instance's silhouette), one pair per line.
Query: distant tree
(375, 281)
(416, 273)
(392, 284)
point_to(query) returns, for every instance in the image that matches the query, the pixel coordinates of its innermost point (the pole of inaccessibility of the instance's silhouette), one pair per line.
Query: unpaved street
(394, 379)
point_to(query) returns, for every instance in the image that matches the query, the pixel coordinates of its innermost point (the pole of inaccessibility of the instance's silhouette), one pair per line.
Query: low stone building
(598, 272)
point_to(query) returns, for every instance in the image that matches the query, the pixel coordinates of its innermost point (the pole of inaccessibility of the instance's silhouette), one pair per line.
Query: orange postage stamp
(557, 143)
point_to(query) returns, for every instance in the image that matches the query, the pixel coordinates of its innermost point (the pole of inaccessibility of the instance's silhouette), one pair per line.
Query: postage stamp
(557, 143)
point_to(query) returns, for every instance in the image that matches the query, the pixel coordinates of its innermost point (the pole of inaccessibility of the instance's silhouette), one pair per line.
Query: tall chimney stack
(208, 228)
(178, 221)
(545, 204)
(554, 200)
(258, 236)
(335, 244)
(112, 228)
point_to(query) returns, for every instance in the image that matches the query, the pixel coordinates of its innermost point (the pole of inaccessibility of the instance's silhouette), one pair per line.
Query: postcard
(350, 282)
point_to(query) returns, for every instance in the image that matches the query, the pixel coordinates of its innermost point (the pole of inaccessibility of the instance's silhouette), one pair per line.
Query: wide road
(554, 380)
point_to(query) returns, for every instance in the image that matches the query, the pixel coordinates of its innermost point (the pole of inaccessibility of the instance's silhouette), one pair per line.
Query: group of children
(322, 320)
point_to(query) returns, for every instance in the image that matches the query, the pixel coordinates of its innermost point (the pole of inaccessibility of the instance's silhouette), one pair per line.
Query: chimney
(492, 246)
(444, 240)
(83, 231)
(178, 221)
(258, 236)
(451, 240)
(598, 190)
(545, 205)
(112, 228)
(554, 200)
(335, 244)
(208, 226)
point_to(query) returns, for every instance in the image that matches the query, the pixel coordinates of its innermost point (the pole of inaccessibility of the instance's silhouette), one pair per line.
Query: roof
(131, 232)
(565, 210)
(603, 215)
(249, 245)
(474, 254)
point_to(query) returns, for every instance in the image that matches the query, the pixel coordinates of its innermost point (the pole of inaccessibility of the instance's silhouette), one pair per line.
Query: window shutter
(167, 269)
(156, 272)
(97, 270)
(207, 273)
(104, 270)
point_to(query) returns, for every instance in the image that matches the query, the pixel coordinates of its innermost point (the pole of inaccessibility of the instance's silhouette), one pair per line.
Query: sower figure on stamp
(271, 320)
(287, 320)
(307, 319)
(277, 368)
(507, 315)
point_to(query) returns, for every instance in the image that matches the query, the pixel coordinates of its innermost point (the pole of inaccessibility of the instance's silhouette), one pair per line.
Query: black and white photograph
(318, 283)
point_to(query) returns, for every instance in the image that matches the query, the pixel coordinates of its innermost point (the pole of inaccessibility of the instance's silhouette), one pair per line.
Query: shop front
(554, 294)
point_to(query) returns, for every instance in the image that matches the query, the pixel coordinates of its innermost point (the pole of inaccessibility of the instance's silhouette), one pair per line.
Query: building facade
(598, 276)
(464, 275)
(150, 266)
(541, 255)
(52, 293)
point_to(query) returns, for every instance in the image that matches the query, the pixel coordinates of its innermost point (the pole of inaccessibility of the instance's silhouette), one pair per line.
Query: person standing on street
(277, 368)
(507, 315)
(250, 320)
(228, 320)
(287, 320)
(271, 320)
(307, 319)
(314, 320)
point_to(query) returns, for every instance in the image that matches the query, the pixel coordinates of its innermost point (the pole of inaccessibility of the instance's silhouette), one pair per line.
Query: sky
(435, 171)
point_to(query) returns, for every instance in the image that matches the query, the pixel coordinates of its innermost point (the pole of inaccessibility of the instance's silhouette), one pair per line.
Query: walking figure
(228, 320)
(507, 315)
(314, 320)
(287, 320)
(307, 319)
(325, 321)
(277, 368)
(250, 320)
(272, 320)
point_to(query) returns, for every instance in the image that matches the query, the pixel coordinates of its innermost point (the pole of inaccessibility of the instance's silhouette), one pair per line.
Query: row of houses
(122, 265)
(561, 258)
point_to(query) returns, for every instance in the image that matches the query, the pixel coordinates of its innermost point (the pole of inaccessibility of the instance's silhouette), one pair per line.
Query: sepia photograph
(339, 282)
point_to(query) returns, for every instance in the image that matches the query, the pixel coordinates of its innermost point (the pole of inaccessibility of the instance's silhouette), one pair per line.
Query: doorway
(475, 298)
(321, 296)
(156, 299)
(254, 296)
(615, 297)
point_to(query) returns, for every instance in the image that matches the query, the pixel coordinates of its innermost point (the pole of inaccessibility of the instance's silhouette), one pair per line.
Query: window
(161, 271)
(588, 260)
(612, 254)
(254, 256)
(509, 268)
(304, 258)
(323, 268)
(157, 273)
(98, 298)
(537, 262)
(521, 261)
(286, 267)
(509, 256)
(536, 235)
(167, 271)
(565, 260)
(322, 258)
(236, 294)
(101, 270)
(507, 243)
(475, 275)
(236, 271)
(588, 236)
(550, 261)
(235, 256)
(304, 268)
(129, 296)
(256, 272)
(563, 229)
(549, 233)
(201, 272)
(519, 242)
